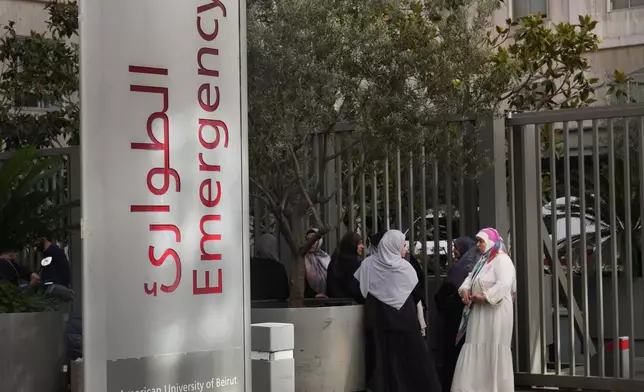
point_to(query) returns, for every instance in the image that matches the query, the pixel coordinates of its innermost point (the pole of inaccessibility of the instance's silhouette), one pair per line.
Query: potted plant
(34, 330)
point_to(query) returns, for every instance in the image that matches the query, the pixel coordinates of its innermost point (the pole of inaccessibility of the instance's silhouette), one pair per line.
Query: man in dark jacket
(58, 270)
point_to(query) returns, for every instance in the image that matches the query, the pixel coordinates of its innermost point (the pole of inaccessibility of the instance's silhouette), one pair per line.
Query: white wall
(28, 15)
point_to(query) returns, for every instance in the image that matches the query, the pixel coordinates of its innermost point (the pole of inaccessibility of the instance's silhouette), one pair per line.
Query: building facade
(620, 24)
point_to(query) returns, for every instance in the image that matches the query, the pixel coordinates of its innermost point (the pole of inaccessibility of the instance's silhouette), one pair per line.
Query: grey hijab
(266, 247)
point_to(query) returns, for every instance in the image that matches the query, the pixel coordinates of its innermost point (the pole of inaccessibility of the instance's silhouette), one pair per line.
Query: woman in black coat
(450, 306)
(345, 261)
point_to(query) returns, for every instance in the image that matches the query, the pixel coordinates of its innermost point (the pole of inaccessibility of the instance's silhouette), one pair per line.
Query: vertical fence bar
(526, 248)
(386, 202)
(363, 200)
(436, 222)
(374, 202)
(316, 166)
(584, 251)
(628, 227)
(461, 189)
(410, 204)
(554, 257)
(641, 184)
(339, 210)
(449, 213)
(598, 251)
(569, 255)
(398, 191)
(542, 298)
(513, 203)
(257, 226)
(352, 194)
(613, 243)
(423, 225)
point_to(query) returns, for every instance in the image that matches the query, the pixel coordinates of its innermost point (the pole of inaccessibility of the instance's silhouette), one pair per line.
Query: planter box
(329, 346)
(33, 352)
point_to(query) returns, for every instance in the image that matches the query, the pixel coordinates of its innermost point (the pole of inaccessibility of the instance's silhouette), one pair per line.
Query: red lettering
(207, 289)
(150, 291)
(207, 200)
(208, 237)
(203, 166)
(207, 106)
(203, 34)
(216, 125)
(172, 228)
(203, 70)
(213, 4)
(148, 208)
(159, 262)
(148, 70)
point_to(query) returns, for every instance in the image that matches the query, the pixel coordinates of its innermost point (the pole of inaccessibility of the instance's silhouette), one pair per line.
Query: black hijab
(345, 261)
(469, 256)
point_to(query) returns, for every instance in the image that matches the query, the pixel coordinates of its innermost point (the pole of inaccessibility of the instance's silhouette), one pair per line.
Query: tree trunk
(299, 276)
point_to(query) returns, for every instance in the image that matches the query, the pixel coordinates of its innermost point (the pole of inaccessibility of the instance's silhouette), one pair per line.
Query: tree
(399, 72)
(41, 69)
(26, 206)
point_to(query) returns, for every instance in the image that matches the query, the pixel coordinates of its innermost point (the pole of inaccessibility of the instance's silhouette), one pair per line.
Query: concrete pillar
(273, 365)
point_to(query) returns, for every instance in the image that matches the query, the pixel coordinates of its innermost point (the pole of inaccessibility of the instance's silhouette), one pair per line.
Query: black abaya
(397, 356)
(450, 309)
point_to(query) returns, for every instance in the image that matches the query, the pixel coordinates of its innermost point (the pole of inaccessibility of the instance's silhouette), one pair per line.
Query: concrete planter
(32, 352)
(329, 346)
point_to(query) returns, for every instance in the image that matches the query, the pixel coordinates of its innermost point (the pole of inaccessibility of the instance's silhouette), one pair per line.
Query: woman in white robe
(485, 362)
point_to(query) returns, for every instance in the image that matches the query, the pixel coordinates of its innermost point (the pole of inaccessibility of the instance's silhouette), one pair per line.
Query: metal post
(526, 248)
(492, 197)
(76, 254)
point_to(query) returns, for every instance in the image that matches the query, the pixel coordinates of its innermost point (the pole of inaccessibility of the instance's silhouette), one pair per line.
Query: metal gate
(576, 196)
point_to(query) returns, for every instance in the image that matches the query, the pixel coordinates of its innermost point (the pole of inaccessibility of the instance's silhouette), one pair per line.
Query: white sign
(164, 194)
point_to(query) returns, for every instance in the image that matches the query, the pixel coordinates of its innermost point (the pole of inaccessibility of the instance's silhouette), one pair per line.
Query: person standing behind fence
(485, 362)
(316, 263)
(268, 277)
(345, 261)
(397, 357)
(58, 271)
(450, 306)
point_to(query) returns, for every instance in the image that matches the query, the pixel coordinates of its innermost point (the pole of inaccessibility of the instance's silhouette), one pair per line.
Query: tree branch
(341, 152)
(265, 191)
(304, 249)
(305, 193)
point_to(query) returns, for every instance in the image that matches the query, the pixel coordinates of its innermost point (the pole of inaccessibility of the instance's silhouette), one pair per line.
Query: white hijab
(386, 275)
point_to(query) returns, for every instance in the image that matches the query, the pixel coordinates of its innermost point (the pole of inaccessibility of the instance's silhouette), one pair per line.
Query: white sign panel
(164, 195)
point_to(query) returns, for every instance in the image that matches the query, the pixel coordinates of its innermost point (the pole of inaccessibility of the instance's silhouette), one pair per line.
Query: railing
(577, 195)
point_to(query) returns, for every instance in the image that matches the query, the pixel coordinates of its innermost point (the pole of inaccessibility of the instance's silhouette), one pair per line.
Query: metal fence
(410, 191)
(576, 182)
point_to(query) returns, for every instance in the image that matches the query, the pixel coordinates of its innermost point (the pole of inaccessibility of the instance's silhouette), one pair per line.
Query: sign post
(165, 196)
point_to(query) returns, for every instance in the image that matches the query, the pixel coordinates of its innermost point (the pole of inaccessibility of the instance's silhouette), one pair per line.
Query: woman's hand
(465, 297)
(478, 299)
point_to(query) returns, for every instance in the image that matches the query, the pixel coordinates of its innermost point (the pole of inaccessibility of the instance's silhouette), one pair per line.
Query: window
(635, 92)
(625, 4)
(523, 8)
(33, 101)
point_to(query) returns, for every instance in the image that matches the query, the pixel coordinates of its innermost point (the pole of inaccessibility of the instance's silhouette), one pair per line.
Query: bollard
(273, 365)
(624, 357)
